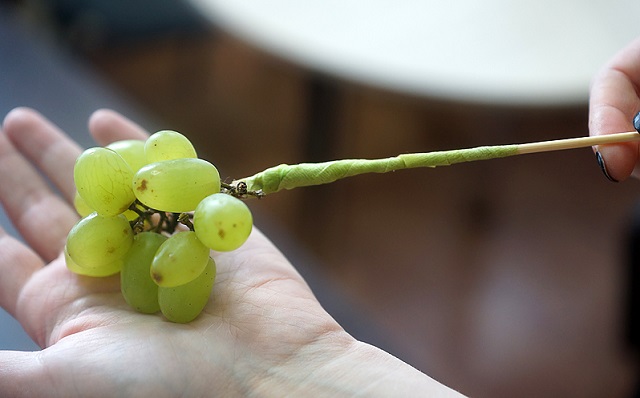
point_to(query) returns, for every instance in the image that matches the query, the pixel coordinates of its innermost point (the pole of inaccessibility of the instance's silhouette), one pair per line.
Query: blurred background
(500, 278)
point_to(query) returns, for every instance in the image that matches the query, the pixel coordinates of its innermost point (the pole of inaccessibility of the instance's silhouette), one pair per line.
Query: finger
(45, 145)
(613, 102)
(108, 126)
(39, 215)
(17, 264)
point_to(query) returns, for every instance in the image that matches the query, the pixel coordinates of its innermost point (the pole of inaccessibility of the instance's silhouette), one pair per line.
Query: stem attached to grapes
(287, 176)
(171, 222)
(239, 190)
(185, 218)
(155, 220)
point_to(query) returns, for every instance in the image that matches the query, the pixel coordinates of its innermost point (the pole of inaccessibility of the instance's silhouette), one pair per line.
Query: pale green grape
(222, 222)
(180, 259)
(130, 215)
(132, 151)
(177, 185)
(103, 180)
(82, 208)
(182, 304)
(96, 240)
(167, 145)
(138, 289)
(100, 271)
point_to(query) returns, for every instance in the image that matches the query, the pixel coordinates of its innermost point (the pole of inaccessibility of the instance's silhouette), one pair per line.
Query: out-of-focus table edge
(532, 65)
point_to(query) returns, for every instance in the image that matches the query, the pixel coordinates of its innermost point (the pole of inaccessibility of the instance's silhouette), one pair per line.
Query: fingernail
(636, 122)
(603, 167)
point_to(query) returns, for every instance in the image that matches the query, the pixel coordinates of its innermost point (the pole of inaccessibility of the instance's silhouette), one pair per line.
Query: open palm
(260, 318)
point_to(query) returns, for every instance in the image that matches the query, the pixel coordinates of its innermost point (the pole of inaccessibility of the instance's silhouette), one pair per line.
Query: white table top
(498, 51)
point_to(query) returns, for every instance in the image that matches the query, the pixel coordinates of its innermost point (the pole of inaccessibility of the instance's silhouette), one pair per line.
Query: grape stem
(185, 218)
(239, 190)
(286, 176)
(162, 222)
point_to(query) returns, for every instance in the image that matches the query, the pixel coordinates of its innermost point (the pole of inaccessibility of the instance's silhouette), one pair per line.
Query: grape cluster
(152, 211)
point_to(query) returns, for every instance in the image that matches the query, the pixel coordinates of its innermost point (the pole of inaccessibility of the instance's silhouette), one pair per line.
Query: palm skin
(260, 318)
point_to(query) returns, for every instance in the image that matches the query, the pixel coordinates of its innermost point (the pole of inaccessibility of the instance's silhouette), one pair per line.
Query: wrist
(339, 365)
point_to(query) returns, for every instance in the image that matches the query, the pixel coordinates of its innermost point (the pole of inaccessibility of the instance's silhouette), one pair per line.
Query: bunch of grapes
(152, 211)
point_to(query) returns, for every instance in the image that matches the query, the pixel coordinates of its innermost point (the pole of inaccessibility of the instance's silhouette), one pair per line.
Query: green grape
(103, 180)
(167, 145)
(132, 151)
(182, 304)
(100, 271)
(138, 289)
(180, 259)
(176, 185)
(82, 208)
(96, 240)
(130, 215)
(222, 222)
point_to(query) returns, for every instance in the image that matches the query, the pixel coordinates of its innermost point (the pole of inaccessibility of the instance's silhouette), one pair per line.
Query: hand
(614, 101)
(262, 332)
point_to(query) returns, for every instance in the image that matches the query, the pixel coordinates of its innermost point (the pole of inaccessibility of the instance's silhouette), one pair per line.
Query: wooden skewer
(581, 142)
